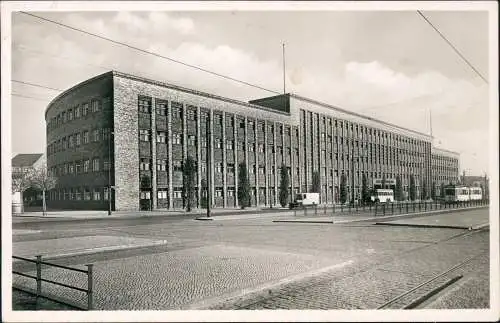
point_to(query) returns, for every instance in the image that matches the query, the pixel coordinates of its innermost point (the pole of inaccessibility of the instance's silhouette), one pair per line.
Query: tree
(284, 183)
(343, 189)
(433, 191)
(316, 183)
(399, 189)
(383, 181)
(204, 194)
(243, 186)
(188, 173)
(413, 191)
(423, 191)
(365, 194)
(21, 181)
(43, 181)
(442, 190)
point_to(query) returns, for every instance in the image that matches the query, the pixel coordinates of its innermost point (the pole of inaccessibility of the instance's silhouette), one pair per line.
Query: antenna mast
(284, 85)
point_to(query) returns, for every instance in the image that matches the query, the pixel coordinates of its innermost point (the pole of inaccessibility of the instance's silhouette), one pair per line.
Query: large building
(133, 134)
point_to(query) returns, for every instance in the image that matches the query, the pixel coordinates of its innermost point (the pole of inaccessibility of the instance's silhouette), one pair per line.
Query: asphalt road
(257, 264)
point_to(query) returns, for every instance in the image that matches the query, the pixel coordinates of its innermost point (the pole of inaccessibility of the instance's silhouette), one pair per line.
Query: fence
(39, 279)
(382, 209)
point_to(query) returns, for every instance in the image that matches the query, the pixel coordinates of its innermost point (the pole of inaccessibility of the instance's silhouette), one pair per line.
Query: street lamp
(109, 173)
(352, 174)
(209, 166)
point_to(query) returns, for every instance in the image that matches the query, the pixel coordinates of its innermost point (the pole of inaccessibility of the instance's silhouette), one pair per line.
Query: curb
(90, 251)
(385, 217)
(424, 225)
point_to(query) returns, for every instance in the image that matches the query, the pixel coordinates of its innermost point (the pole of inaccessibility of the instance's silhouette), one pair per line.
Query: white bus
(456, 193)
(305, 199)
(475, 193)
(383, 195)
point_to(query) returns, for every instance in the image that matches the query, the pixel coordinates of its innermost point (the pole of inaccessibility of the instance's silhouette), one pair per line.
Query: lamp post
(109, 173)
(209, 166)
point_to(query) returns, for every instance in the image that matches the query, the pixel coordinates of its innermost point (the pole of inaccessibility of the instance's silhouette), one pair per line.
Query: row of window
(80, 167)
(79, 194)
(76, 112)
(77, 139)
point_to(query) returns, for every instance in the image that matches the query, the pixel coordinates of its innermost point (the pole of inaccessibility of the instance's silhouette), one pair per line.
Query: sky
(386, 64)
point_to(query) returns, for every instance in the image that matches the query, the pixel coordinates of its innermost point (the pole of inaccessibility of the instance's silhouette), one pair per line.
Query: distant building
(132, 134)
(445, 168)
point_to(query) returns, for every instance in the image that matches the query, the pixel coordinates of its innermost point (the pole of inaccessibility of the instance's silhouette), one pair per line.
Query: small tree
(383, 181)
(423, 191)
(204, 195)
(243, 186)
(188, 173)
(343, 189)
(284, 183)
(442, 190)
(316, 183)
(365, 194)
(433, 191)
(43, 181)
(413, 191)
(21, 182)
(399, 189)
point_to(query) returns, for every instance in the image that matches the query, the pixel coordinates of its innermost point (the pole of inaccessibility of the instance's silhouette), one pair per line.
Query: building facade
(132, 135)
(445, 168)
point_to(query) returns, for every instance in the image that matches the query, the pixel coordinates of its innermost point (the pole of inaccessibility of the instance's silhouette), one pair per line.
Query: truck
(305, 200)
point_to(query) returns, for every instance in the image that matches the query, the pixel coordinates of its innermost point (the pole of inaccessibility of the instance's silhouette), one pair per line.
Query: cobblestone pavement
(209, 264)
(465, 219)
(76, 245)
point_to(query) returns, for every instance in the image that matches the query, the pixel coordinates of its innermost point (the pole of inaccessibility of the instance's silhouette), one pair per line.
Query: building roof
(25, 160)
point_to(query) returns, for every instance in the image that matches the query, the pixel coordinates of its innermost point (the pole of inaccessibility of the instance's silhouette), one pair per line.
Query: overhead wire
(148, 52)
(452, 46)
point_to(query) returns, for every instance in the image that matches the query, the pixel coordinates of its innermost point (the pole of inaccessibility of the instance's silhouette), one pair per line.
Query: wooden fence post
(38, 276)
(90, 287)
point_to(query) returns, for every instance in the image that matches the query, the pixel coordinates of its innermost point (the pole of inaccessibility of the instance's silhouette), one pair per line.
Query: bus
(383, 195)
(475, 193)
(456, 193)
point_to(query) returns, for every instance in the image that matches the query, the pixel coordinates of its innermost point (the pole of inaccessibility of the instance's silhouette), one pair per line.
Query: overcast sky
(386, 64)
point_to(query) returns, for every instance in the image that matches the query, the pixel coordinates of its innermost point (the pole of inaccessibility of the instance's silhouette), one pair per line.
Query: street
(161, 263)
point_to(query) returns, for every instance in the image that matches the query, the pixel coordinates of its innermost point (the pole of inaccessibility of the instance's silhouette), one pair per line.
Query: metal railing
(383, 209)
(39, 279)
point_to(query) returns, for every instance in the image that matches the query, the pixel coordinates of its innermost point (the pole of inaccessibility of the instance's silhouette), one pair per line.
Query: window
(162, 194)
(251, 170)
(95, 105)
(230, 192)
(161, 136)
(95, 164)
(143, 135)
(78, 167)
(218, 167)
(70, 114)
(177, 192)
(106, 193)
(176, 110)
(204, 141)
(86, 165)
(97, 194)
(177, 139)
(177, 166)
(218, 119)
(191, 140)
(203, 167)
(144, 164)
(261, 170)
(85, 137)
(65, 143)
(106, 133)
(95, 135)
(251, 147)
(161, 108)
(78, 110)
(230, 168)
(218, 143)
(77, 194)
(192, 115)
(229, 144)
(145, 195)
(161, 164)
(144, 105)
(71, 168)
(106, 165)
(63, 117)
(261, 148)
(65, 169)
(85, 109)
(218, 192)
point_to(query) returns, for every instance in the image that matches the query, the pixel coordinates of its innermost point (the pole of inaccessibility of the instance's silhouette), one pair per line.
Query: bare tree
(43, 181)
(21, 181)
